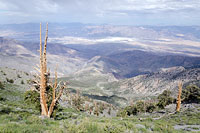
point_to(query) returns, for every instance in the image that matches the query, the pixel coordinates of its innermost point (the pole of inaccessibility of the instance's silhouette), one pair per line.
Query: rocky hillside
(132, 63)
(13, 55)
(23, 56)
(151, 85)
(139, 87)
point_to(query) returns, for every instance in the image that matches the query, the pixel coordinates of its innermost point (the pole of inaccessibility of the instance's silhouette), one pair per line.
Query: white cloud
(103, 11)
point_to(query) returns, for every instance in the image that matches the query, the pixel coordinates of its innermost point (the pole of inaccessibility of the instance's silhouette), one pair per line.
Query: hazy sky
(132, 12)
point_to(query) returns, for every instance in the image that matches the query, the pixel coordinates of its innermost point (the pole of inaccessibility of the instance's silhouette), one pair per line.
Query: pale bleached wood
(178, 105)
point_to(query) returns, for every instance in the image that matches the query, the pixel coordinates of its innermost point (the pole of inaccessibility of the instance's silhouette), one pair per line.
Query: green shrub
(19, 76)
(96, 109)
(77, 101)
(33, 98)
(85, 126)
(10, 80)
(101, 107)
(3, 72)
(113, 128)
(165, 99)
(2, 99)
(64, 114)
(1, 85)
(140, 106)
(26, 73)
(131, 110)
(5, 110)
(143, 106)
(191, 94)
(122, 113)
(22, 81)
(109, 111)
(151, 107)
(127, 111)
(29, 81)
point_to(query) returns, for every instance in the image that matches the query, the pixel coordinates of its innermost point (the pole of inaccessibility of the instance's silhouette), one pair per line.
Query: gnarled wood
(178, 105)
(44, 78)
(44, 52)
(55, 99)
(43, 85)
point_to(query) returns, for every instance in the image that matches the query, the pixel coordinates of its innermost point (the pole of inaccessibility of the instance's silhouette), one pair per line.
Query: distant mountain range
(132, 63)
(105, 60)
(30, 31)
(117, 59)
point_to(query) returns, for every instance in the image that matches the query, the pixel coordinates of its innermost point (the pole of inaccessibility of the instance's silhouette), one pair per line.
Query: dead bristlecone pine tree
(43, 81)
(178, 104)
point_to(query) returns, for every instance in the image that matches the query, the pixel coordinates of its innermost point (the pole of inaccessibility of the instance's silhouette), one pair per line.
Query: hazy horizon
(115, 12)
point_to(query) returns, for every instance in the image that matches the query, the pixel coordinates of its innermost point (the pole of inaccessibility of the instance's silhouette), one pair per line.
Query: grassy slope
(16, 116)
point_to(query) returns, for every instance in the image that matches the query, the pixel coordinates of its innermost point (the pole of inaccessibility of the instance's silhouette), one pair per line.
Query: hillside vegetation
(17, 115)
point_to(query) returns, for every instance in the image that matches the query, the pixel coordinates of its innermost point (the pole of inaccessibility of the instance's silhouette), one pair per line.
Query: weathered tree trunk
(43, 84)
(54, 98)
(178, 105)
(44, 79)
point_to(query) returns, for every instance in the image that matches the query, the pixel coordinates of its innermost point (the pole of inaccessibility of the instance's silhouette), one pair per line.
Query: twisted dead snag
(44, 78)
(55, 99)
(178, 105)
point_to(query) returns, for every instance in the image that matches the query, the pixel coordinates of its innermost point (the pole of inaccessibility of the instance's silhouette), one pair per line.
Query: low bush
(122, 113)
(165, 99)
(19, 76)
(26, 73)
(5, 110)
(10, 80)
(3, 72)
(33, 98)
(191, 94)
(1, 85)
(22, 82)
(138, 107)
(146, 106)
(151, 107)
(113, 128)
(77, 101)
